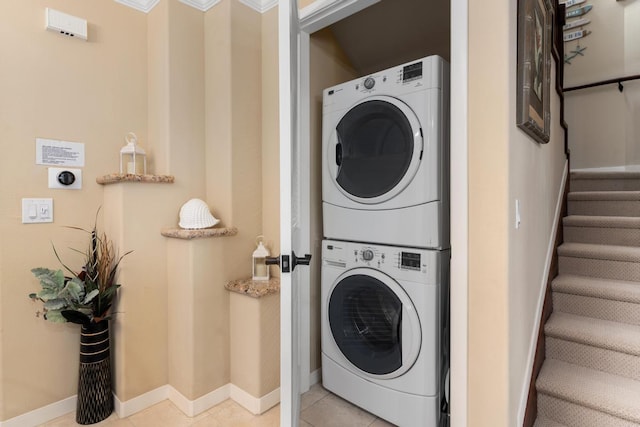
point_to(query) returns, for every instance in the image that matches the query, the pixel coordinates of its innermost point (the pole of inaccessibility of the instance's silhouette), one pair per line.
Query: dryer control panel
(422, 74)
(418, 265)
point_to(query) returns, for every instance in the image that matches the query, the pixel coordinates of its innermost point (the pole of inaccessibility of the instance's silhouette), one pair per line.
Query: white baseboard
(315, 377)
(524, 396)
(192, 408)
(253, 404)
(42, 415)
(139, 403)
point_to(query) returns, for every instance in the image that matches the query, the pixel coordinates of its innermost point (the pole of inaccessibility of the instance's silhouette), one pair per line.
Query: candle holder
(260, 267)
(133, 159)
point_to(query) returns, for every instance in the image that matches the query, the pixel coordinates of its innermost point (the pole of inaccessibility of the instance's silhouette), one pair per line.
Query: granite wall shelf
(116, 178)
(180, 233)
(254, 288)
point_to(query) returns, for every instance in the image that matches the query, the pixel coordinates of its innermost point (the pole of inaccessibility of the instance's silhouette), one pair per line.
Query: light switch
(37, 210)
(44, 210)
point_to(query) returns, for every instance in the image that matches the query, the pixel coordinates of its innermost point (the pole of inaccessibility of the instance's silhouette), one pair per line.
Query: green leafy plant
(86, 296)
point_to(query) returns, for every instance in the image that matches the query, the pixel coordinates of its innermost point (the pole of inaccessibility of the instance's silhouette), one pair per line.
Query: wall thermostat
(65, 178)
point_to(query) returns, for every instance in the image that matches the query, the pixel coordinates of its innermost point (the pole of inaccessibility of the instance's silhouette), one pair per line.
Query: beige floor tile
(65, 420)
(381, 423)
(163, 414)
(120, 423)
(69, 420)
(271, 418)
(315, 393)
(209, 421)
(332, 411)
(320, 409)
(231, 412)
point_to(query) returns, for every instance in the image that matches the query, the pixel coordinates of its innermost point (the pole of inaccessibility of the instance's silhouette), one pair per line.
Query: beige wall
(304, 3)
(246, 162)
(535, 180)
(488, 127)
(270, 134)
(255, 343)
(190, 84)
(603, 122)
(56, 87)
(506, 265)
(145, 330)
(329, 66)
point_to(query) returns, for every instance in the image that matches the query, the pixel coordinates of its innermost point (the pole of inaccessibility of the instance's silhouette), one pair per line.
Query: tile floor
(319, 408)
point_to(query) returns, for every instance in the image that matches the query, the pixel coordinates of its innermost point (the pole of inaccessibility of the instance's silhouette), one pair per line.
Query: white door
(290, 213)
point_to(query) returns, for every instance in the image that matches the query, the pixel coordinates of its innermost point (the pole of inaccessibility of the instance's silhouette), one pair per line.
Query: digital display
(410, 260)
(412, 71)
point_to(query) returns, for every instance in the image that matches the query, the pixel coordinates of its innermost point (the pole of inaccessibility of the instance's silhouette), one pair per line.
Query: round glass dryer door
(375, 150)
(374, 323)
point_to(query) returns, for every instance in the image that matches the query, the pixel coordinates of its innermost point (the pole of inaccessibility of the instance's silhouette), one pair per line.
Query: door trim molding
(322, 13)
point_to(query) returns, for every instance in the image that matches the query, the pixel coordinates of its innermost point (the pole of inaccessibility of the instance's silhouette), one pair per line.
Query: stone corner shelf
(115, 178)
(181, 233)
(254, 288)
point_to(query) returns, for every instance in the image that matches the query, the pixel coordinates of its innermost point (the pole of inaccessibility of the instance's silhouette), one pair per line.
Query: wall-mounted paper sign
(59, 153)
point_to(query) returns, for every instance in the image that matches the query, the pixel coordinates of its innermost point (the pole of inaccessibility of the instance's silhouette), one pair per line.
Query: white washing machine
(385, 174)
(383, 323)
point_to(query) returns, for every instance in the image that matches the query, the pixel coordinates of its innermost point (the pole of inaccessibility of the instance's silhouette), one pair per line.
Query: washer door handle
(338, 154)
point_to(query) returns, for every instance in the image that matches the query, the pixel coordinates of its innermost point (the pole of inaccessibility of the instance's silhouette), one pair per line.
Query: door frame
(323, 13)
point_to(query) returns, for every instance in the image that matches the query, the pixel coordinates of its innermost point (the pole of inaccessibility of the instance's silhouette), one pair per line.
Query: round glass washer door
(374, 323)
(375, 150)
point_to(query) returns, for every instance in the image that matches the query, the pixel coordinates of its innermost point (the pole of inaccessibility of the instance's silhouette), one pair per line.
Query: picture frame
(535, 24)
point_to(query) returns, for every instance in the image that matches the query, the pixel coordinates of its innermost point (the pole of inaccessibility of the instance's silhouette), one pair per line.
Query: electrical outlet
(37, 211)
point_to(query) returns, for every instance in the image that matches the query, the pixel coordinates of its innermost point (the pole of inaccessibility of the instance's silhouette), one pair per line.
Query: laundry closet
(383, 36)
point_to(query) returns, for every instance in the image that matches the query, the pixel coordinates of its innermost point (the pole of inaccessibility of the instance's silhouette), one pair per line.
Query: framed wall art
(534, 68)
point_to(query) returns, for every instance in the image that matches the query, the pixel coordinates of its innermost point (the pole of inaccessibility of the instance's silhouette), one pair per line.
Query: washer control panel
(408, 263)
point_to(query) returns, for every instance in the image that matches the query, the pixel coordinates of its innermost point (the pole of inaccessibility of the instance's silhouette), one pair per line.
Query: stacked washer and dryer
(385, 256)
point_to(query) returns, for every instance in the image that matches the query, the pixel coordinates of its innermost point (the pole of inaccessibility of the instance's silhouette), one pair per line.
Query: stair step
(599, 359)
(593, 343)
(600, 261)
(604, 203)
(573, 415)
(606, 299)
(546, 422)
(619, 290)
(607, 230)
(602, 395)
(603, 181)
(615, 336)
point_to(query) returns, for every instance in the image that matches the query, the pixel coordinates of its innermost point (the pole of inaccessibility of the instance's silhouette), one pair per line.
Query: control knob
(369, 82)
(367, 254)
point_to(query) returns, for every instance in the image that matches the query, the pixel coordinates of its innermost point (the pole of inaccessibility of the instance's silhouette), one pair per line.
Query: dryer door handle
(338, 154)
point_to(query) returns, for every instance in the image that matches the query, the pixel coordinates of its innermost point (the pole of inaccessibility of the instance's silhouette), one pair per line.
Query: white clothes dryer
(385, 174)
(383, 324)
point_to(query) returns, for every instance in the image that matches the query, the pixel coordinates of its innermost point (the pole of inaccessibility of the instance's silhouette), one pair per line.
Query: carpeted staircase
(591, 373)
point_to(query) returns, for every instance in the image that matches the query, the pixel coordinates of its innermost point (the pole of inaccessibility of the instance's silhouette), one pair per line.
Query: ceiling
(392, 32)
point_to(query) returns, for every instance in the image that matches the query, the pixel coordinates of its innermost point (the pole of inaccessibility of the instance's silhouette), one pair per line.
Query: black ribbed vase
(95, 399)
